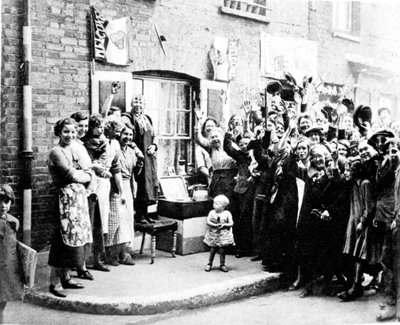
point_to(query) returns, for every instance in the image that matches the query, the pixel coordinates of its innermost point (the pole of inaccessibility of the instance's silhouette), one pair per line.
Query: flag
(110, 39)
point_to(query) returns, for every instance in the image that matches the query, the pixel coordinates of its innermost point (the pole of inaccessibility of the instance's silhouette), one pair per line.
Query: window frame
(186, 142)
(352, 31)
(176, 135)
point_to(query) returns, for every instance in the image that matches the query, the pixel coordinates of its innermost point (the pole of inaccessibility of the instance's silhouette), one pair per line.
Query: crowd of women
(313, 191)
(94, 168)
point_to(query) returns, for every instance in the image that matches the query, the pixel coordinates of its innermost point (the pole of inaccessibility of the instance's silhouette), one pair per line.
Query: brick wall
(61, 63)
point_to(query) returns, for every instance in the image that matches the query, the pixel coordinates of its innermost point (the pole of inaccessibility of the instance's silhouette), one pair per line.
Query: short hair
(222, 199)
(95, 121)
(382, 109)
(303, 139)
(203, 127)
(63, 122)
(130, 127)
(79, 116)
(7, 191)
(233, 116)
(325, 150)
(111, 125)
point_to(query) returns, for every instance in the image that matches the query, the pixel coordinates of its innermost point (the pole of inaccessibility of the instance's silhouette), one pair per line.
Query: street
(276, 308)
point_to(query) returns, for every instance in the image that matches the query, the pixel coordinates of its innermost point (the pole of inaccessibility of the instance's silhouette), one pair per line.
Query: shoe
(239, 255)
(56, 292)
(127, 260)
(70, 284)
(101, 267)
(294, 286)
(85, 274)
(306, 292)
(223, 268)
(208, 268)
(112, 262)
(256, 258)
(354, 292)
(386, 313)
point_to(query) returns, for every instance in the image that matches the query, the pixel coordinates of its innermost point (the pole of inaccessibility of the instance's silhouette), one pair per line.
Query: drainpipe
(27, 153)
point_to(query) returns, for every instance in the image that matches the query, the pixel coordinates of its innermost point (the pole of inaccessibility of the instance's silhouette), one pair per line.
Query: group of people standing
(99, 166)
(313, 192)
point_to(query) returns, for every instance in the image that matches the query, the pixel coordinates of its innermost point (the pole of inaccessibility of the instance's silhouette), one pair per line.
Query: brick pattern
(61, 62)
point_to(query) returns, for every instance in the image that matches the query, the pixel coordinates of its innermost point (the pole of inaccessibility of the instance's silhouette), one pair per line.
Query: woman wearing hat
(317, 225)
(145, 140)
(314, 134)
(73, 230)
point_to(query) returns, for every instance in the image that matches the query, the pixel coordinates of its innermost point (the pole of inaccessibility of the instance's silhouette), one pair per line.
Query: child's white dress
(215, 237)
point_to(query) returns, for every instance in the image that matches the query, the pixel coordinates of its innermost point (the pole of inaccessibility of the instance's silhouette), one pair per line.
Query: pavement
(168, 284)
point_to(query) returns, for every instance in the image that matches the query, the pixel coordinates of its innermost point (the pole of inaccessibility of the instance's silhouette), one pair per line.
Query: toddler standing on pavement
(219, 233)
(11, 283)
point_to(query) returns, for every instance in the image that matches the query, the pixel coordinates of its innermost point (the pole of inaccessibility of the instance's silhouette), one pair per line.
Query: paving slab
(168, 284)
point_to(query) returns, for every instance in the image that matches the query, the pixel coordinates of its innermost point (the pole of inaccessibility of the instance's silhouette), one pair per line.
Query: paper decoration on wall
(219, 58)
(232, 58)
(280, 54)
(110, 39)
(223, 56)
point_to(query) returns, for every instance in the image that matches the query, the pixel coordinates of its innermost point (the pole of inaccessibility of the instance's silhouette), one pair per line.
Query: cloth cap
(314, 128)
(384, 132)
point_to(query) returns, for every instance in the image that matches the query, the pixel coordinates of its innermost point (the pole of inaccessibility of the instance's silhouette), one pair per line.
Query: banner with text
(110, 39)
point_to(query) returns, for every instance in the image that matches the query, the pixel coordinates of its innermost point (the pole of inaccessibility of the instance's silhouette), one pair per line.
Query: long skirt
(126, 214)
(73, 234)
(242, 220)
(103, 194)
(116, 221)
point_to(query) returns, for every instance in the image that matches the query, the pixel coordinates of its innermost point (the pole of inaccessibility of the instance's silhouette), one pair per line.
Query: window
(342, 16)
(252, 9)
(345, 18)
(169, 105)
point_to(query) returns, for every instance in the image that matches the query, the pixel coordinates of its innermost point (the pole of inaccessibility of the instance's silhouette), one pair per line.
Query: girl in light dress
(219, 233)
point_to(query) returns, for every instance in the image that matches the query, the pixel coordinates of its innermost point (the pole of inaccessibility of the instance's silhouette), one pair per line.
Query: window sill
(346, 36)
(244, 14)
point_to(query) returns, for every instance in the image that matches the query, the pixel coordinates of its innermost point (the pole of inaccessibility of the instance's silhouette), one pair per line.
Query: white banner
(117, 48)
(294, 55)
(110, 39)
